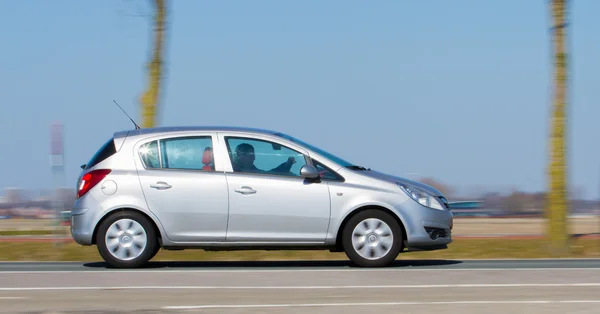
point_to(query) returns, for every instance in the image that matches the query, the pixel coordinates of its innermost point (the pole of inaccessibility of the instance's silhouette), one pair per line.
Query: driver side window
(250, 155)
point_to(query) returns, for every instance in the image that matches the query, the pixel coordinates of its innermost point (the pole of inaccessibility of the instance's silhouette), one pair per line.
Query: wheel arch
(127, 209)
(340, 231)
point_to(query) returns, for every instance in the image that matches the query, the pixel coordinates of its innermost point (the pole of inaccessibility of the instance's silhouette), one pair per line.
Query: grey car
(229, 188)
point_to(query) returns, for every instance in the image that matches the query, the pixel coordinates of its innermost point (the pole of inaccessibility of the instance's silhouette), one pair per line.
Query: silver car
(225, 188)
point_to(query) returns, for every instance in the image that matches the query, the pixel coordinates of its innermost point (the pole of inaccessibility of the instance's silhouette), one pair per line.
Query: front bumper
(426, 228)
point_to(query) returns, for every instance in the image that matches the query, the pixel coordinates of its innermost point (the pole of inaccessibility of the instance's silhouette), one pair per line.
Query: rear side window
(181, 153)
(187, 153)
(107, 150)
(149, 154)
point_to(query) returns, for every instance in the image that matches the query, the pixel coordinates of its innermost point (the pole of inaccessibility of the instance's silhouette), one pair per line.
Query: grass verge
(459, 249)
(12, 233)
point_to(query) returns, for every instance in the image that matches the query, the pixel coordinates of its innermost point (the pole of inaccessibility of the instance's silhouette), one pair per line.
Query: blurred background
(385, 82)
(495, 103)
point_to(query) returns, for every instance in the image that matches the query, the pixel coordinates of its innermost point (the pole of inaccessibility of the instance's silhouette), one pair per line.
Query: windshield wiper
(360, 168)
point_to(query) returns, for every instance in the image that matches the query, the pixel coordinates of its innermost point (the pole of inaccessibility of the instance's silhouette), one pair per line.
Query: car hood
(390, 178)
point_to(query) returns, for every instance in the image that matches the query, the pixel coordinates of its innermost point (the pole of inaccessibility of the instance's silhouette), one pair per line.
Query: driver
(244, 161)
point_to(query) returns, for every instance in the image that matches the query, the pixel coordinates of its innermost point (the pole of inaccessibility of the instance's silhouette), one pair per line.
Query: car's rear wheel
(126, 240)
(372, 238)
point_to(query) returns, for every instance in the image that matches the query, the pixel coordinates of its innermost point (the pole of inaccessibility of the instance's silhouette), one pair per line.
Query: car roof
(168, 129)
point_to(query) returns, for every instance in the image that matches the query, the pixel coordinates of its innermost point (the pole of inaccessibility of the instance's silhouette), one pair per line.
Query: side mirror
(309, 172)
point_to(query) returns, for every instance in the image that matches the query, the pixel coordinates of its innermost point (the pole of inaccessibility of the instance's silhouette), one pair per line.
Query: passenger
(208, 159)
(243, 161)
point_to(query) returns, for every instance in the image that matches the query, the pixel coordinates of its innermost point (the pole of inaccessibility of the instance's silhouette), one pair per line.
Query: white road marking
(12, 298)
(291, 270)
(500, 285)
(216, 306)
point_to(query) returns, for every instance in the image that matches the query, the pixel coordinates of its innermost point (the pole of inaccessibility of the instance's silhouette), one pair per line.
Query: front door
(268, 200)
(183, 190)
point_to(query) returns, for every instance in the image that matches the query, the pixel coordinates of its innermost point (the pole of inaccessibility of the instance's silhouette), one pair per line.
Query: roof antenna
(137, 127)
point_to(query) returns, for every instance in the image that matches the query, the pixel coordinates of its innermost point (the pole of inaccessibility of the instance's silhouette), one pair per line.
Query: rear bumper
(83, 220)
(80, 230)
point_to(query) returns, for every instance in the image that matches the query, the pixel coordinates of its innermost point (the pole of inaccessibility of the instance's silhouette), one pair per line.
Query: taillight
(90, 179)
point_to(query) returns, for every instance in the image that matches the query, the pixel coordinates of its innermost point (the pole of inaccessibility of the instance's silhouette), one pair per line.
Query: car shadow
(585, 235)
(276, 264)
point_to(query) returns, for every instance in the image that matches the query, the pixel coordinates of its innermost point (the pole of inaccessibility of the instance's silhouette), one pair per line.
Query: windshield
(319, 151)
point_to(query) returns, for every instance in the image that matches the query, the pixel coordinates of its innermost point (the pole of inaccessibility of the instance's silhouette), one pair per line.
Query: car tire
(375, 229)
(156, 250)
(139, 240)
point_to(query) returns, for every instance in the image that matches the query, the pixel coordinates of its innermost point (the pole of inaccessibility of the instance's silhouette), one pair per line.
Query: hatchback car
(227, 188)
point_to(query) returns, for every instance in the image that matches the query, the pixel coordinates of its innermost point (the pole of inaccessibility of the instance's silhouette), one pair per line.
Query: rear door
(182, 188)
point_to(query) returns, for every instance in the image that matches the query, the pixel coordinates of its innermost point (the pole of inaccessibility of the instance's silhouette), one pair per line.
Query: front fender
(338, 223)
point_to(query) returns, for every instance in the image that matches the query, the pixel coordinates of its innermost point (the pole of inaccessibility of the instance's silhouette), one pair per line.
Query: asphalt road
(528, 286)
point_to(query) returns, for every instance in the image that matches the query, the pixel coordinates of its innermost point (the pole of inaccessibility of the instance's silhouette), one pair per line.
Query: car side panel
(119, 190)
(195, 208)
(283, 210)
(347, 197)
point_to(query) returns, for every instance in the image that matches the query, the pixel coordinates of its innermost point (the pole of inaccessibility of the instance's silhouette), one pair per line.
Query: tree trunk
(558, 199)
(149, 99)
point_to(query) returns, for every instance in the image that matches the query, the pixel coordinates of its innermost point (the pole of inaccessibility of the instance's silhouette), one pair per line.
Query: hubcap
(372, 238)
(126, 239)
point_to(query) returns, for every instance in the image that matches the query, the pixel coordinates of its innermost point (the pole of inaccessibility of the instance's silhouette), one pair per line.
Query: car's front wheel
(372, 238)
(126, 240)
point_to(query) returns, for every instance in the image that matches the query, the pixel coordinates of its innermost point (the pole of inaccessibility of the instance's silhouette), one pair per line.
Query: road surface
(524, 286)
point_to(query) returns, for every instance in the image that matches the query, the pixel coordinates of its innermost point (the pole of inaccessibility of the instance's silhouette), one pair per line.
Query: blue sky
(456, 90)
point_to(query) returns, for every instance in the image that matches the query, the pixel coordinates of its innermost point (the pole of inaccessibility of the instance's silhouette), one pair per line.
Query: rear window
(107, 150)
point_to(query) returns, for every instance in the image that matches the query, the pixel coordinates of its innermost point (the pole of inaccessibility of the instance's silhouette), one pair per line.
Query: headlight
(421, 196)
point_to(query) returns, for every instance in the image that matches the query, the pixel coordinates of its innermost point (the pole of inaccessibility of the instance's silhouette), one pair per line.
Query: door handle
(160, 185)
(245, 190)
